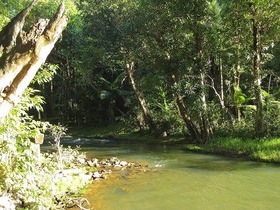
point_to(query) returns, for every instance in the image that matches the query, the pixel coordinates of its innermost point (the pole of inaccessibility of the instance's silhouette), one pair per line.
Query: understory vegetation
(32, 179)
(170, 68)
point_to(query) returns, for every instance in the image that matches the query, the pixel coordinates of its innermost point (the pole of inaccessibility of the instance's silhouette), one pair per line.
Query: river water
(179, 180)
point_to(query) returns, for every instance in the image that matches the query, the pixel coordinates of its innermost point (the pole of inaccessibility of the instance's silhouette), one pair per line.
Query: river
(179, 180)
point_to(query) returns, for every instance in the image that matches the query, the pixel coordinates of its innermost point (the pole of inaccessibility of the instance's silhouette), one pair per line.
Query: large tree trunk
(22, 53)
(257, 70)
(141, 100)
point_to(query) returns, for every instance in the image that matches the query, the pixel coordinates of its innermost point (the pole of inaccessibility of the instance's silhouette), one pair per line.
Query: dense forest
(197, 69)
(167, 66)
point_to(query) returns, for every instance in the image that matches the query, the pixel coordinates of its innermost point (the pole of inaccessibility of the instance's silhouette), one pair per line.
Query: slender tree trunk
(257, 71)
(237, 74)
(222, 91)
(269, 83)
(141, 100)
(21, 54)
(205, 127)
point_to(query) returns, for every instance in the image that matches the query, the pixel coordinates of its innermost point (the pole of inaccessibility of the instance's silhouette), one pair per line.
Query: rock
(90, 163)
(96, 175)
(137, 165)
(103, 162)
(159, 165)
(94, 161)
(114, 160)
(81, 160)
(117, 167)
(106, 171)
(123, 163)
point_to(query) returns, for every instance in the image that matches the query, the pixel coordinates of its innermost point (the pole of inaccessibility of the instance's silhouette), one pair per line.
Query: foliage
(182, 40)
(9, 9)
(29, 177)
(46, 73)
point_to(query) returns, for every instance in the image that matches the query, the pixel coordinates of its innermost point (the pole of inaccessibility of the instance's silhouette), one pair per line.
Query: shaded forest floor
(264, 150)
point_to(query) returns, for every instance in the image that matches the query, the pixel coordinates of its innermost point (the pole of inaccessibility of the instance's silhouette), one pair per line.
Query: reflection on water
(182, 180)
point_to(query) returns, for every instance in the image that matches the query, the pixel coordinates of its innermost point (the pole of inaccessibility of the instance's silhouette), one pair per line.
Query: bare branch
(216, 92)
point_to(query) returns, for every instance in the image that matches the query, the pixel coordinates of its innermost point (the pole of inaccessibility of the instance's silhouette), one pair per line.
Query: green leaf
(104, 94)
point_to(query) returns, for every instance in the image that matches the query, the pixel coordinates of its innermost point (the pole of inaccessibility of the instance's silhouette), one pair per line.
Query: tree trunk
(222, 92)
(141, 100)
(257, 71)
(22, 53)
(237, 77)
(205, 127)
(195, 135)
(187, 119)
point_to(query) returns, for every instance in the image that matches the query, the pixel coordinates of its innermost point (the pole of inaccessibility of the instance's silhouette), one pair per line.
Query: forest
(168, 67)
(197, 70)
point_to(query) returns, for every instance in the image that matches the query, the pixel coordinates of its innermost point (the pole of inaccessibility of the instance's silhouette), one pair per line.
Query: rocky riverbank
(106, 166)
(94, 170)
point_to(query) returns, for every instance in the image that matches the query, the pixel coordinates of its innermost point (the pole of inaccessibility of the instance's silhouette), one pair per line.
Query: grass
(266, 150)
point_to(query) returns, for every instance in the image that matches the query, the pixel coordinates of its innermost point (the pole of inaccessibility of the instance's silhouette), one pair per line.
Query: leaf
(265, 94)
(239, 97)
(104, 94)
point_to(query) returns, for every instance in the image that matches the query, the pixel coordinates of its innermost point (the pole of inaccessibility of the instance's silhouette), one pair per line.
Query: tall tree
(264, 26)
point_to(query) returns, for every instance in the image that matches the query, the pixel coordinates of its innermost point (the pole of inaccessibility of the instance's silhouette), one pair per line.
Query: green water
(185, 181)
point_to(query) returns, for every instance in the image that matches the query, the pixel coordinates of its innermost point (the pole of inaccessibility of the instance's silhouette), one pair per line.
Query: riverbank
(265, 149)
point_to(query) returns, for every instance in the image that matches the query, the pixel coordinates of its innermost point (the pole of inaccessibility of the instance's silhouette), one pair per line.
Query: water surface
(182, 180)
